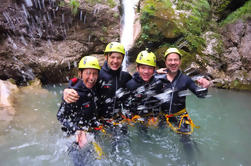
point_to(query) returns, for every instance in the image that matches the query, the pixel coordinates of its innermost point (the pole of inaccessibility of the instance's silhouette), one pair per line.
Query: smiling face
(114, 60)
(89, 77)
(146, 72)
(173, 62)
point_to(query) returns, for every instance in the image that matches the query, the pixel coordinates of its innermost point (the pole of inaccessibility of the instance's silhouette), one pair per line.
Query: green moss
(160, 22)
(111, 3)
(61, 4)
(187, 59)
(220, 46)
(236, 84)
(116, 15)
(242, 12)
(156, 20)
(12, 81)
(104, 29)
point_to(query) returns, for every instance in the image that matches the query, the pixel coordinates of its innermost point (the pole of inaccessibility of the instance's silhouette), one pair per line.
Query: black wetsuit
(80, 115)
(180, 83)
(110, 81)
(142, 101)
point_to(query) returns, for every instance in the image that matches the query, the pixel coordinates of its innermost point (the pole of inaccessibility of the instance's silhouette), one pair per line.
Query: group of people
(103, 98)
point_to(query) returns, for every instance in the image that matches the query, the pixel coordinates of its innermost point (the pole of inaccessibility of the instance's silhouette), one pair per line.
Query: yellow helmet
(89, 62)
(146, 58)
(115, 47)
(172, 50)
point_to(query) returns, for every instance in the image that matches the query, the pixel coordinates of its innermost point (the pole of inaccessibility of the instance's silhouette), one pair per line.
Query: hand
(203, 82)
(70, 95)
(81, 138)
(161, 71)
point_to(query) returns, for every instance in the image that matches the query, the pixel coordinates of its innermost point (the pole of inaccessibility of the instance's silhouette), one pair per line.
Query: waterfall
(127, 27)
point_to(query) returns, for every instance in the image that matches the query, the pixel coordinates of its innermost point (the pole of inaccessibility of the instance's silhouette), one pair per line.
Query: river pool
(34, 136)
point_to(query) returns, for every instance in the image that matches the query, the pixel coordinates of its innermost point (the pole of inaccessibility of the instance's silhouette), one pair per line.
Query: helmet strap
(80, 73)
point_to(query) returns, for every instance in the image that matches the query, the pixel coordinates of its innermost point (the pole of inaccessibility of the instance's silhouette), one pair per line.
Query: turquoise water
(34, 136)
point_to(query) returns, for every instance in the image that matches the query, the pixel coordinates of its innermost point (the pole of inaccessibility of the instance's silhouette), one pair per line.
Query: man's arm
(203, 82)
(201, 88)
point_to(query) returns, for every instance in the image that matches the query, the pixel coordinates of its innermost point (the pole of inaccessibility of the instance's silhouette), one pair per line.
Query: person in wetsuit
(176, 82)
(111, 78)
(142, 87)
(80, 116)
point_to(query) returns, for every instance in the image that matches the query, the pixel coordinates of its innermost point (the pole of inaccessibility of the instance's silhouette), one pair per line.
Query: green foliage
(195, 23)
(242, 12)
(148, 9)
(61, 4)
(74, 6)
(111, 3)
(116, 15)
(167, 4)
(160, 22)
(219, 7)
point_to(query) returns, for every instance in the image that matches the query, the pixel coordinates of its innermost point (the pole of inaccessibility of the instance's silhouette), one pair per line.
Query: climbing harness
(98, 150)
(184, 120)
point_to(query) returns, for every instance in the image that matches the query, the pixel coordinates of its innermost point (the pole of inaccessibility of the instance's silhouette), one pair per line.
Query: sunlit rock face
(46, 39)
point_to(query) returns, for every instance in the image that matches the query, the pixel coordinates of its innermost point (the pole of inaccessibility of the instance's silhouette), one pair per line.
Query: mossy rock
(243, 12)
(158, 18)
(168, 21)
(236, 84)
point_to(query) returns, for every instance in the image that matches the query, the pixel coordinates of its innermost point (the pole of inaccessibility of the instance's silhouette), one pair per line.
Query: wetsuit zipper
(173, 87)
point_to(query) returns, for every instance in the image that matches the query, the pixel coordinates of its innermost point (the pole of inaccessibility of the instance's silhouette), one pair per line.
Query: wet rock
(228, 55)
(233, 33)
(244, 47)
(47, 42)
(237, 55)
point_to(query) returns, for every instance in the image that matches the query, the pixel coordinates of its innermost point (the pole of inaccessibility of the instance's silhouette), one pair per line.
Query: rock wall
(46, 40)
(211, 45)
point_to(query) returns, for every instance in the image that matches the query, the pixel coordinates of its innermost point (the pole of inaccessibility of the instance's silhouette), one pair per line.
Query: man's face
(114, 60)
(146, 72)
(173, 62)
(89, 77)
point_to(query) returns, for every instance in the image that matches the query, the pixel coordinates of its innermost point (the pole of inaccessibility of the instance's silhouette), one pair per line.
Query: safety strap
(98, 150)
(100, 128)
(182, 115)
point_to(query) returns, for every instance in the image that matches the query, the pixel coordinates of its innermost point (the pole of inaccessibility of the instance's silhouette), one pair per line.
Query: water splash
(165, 96)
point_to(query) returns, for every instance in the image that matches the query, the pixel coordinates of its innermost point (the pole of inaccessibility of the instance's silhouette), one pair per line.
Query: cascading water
(127, 36)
